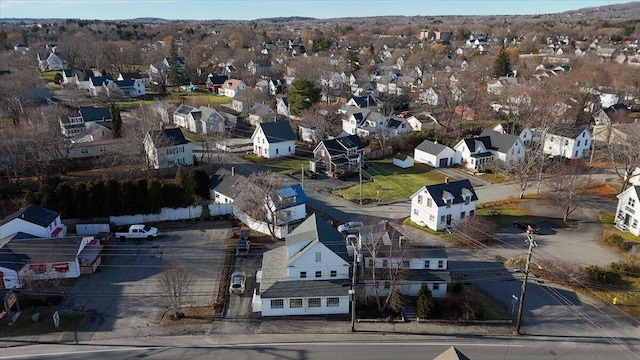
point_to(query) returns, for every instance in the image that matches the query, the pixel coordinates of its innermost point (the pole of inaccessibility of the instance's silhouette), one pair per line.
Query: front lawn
(25, 326)
(391, 182)
(285, 165)
(503, 213)
(494, 178)
(205, 97)
(49, 76)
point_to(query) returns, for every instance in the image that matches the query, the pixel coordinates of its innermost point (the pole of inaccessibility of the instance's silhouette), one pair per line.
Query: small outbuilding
(402, 160)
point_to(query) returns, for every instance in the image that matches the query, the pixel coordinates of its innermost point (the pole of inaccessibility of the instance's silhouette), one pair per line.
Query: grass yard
(50, 76)
(285, 165)
(391, 182)
(494, 178)
(628, 299)
(25, 326)
(490, 309)
(503, 213)
(608, 221)
(205, 97)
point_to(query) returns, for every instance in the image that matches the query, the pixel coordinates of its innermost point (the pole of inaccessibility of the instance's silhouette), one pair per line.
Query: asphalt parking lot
(123, 295)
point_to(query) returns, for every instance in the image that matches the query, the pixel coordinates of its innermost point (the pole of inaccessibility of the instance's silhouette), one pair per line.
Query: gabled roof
(454, 188)
(261, 110)
(231, 84)
(293, 191)
(225, 183)
(364, 101)
(91, 113)
(34, 214)
(316, 229)
(394, 123)
(42, 250)
(431, 147)
(568, 131)
(169, 137)
(500, 142)
(451, 354)
(184, 109)
(99, 80)
(131, 75)
(474, 143)
(307, 288)
(340, 146)
(217, 79)
(278, 131)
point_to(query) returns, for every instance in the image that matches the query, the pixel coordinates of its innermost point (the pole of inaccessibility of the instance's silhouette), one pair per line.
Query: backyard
(391, 182)
(286, 165)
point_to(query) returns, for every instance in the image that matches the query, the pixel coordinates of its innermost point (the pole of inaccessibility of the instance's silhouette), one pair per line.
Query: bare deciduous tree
(564, 190)
(175, 283)
(625, 156)
(524, 173)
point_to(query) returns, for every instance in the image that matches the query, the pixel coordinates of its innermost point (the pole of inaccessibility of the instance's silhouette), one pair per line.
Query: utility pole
(523, 291)
(302, 176)
(352, 292)
(360, 172)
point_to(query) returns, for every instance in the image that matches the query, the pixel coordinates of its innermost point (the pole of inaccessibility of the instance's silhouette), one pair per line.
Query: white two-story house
(308, 275)
(442, 205)
(273, 140)
(571, 142)
(167, 148)
(35, 221)
(628, 211)
(491, 145)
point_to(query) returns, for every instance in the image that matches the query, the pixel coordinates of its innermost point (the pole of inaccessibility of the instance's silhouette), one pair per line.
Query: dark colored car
(527, 226)
(310, 174)
(342, 174)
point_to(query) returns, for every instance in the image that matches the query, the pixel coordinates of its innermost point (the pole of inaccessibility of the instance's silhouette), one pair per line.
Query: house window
(448, 203)
(419, 199)
(632, 202)
(318, 274)
(385, 263)
(387, 285)
(277, 303)
(289, 149)
(334, 273)
(315, 302)
(303, 274)
(432, 218)
(64, 267)
(333, 302)
(370, 264)
(103, 148)
(405, 264)
(429, 202)
(440, 264)
(436, 286)
(472, 212)
(578, 143)
(38, 268)
(416, 212)
(462, 215)
(294, 303)
(277, 151)
(84, 150)
(443, 218)
(427, 264)
(318, 256)
(467, 200)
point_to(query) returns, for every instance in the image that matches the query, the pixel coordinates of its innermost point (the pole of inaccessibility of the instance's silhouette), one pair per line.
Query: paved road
(331, 347)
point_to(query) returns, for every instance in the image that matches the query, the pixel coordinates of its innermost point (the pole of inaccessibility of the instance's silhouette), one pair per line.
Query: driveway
(123, 295)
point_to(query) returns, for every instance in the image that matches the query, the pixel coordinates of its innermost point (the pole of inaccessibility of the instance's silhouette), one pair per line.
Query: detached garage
(434, 154)
(403, 161)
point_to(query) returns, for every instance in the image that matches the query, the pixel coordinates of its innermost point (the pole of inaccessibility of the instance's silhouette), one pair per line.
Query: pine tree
(502, 66)
(174, 76)
(304, 93)
(353, 60)
(425, 304)
(116, 121)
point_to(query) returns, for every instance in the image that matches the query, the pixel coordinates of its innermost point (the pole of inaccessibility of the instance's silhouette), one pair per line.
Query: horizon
(247, 10)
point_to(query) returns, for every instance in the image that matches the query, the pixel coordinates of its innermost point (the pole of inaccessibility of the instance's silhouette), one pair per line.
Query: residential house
(24, 259)
(231, 87)
(568, 141)
(77, 124)
(96, 85)
(528, 135)
(403, 161)
(628, 210)
(273, 140)
(397, 126)
(441, 206)
(491, 145)
(203, 120)
(308, 275)
(214, 82)
(364, 122)
(615, 113)
(53, 62)
(362, 102)
(168, 148)
(164, 110)
(434, 154)
(397, 264)
(507, 148)
(282, 106)
(35, 221)
(339, 153)
(422, 122)
(261, 113)
(134, 76)
(223, 188)
(124, 88)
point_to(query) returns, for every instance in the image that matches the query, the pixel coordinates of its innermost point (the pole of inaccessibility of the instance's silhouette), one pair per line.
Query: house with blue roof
(308, 275)
(290, 203)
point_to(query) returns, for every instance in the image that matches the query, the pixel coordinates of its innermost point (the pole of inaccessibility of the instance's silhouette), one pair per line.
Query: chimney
(233, 171)
(446, 180)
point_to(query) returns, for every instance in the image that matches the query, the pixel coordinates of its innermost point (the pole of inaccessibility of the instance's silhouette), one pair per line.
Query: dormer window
(448, 203)
(467, 199)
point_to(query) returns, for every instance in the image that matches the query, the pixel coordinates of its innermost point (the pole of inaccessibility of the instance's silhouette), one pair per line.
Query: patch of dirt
(605, 190)
(192, 315)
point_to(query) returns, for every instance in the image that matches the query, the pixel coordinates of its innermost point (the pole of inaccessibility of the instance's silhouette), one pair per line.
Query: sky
(254, 9)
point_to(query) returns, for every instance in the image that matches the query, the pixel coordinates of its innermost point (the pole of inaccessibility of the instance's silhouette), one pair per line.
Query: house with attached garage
(628, 210)
(76, 124)
(568, 141)
(167, 148)
(273, 140)
(338, 153)
(434, 154)
(507, 148)
(24, 258)
(308, 275)
(491, 145)
(35, 221)
(399, 265)
(440, 206)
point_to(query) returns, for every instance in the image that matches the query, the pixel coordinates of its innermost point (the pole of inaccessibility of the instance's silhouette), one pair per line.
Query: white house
(223, 188)
(35, 221)
(491, 145)
(124, 88)
(397, 126)
(273, 140)
(507, 148)
(403, 161)
(24, 259)
(231, 87)
(307, 275)
(442, 205)
(434, 154)
(290, 203)
(571, 142)
(53, 62)
(635, 177)
(399, 265)
(78, 123)
(628, 211)
(168, 148)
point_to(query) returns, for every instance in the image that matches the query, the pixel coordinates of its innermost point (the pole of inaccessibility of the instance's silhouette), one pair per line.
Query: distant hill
(626, 11)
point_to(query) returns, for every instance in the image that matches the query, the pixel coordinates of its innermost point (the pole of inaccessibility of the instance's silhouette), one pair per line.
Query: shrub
(600, 275)
(614, 241)
(425, 303)
(457, 288)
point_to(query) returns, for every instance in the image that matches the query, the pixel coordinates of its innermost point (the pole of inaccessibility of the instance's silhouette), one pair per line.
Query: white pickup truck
(138, 231)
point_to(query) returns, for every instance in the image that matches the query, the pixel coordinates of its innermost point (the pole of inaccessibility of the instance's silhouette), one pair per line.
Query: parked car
(138, 231)
(238, 280)
(342, 174)
(310, 174)
(242, 247)
(527, 226)
(350, 226)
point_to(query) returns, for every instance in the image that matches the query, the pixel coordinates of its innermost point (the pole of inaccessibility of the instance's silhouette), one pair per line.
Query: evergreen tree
(174, 76)
(80, 200)
(183, 181)
(112, 197)
(128, 194)
(64, 193)
(304, 93)
(425, 304)
(502, 66)
(29, 198)
(353, 60)
(116, 121)
(155, 197)
(200, 182)
(141, 199)
(47, 195)
(97, 197)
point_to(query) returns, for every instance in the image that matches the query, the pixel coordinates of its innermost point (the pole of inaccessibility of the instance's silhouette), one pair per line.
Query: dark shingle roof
(278, 131)
(34, 214)
(568, 131)
(400, 156)
(41, 250)
(169, 137)
(500, 142)
(225, 183)
(91, 113)
(218, 79)
(307, 288)
(431, 147)
(313, 228)
(454, 188)
(474, 143)
(339, 146)
(364, 101)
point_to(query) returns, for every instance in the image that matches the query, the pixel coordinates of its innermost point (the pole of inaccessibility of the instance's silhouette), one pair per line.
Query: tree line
(110, 197)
